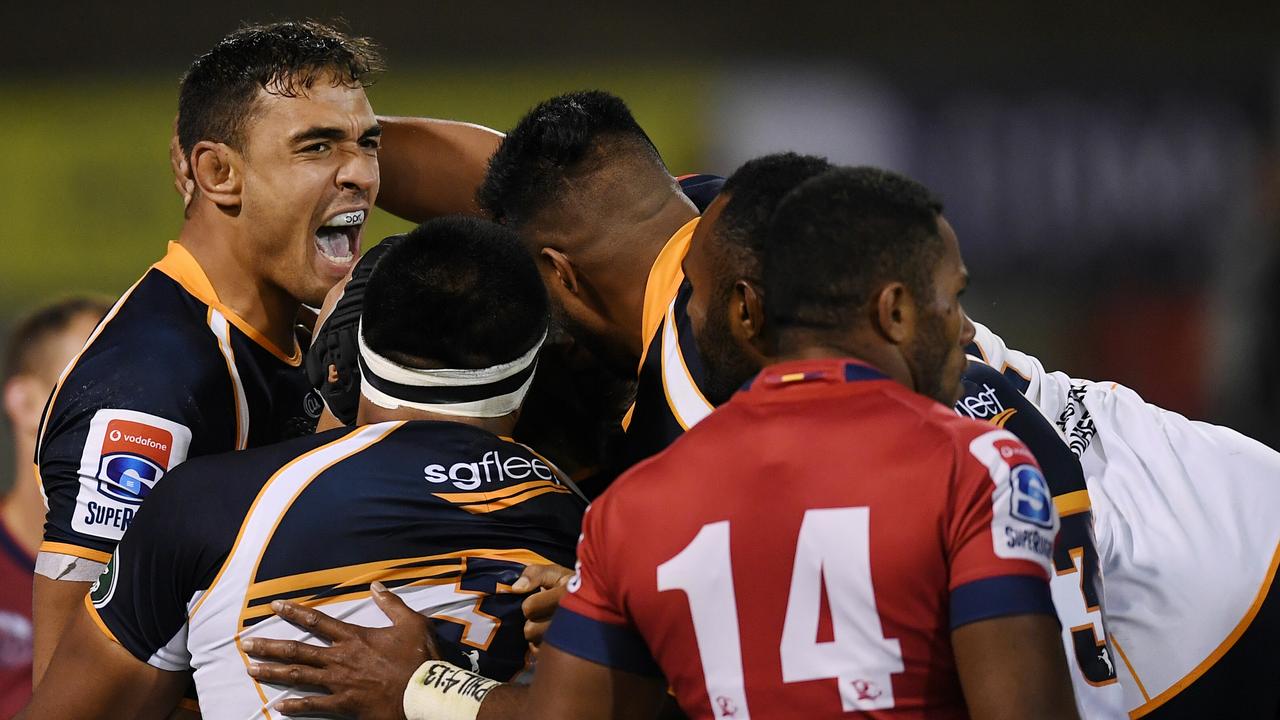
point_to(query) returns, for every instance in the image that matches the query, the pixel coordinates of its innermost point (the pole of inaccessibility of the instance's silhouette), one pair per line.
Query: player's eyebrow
(318, 133)
(372, 132)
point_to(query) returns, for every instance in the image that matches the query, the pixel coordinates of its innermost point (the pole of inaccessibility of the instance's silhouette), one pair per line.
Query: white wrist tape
(441, 691)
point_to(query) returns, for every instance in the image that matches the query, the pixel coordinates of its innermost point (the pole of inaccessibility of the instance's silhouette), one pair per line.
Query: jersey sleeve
(1002, 532)
(591, 622)
(110, 436)
(141, 600)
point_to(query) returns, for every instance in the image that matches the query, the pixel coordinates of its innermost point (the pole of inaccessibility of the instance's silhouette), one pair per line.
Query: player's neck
(370, 414)
(267, 308)
(881, 357)
(626, 276)
(23, 510)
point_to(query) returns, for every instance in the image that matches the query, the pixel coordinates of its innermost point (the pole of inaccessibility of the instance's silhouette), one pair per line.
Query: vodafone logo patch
(125, 454)
(125, 436)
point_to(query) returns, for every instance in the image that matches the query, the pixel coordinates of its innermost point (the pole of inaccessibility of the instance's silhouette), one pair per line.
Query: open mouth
(338, 239)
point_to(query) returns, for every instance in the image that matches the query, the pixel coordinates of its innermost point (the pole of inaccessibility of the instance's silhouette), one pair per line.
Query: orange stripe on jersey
(1218, 652)
(352, 575)
(182, 267)
(75, 551)
(1132, 673)
(360, 589)
(384, 570)
(93, 615)
(660, 289)
(474, 497)
(488, 507)
(1002, 419)
(249, 514)
(1072, 503)
(664, 282)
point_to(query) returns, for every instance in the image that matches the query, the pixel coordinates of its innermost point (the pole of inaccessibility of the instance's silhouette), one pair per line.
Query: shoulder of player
(154, 352)
(233, 479)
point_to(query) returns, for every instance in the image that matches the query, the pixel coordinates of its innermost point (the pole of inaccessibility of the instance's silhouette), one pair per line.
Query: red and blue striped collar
(795, 372)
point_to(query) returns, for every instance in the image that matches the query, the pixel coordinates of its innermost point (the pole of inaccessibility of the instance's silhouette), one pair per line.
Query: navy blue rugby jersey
(443, 514)
(169, 373)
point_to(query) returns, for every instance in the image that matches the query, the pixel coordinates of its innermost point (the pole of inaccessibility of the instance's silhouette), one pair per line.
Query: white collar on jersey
(480, 392)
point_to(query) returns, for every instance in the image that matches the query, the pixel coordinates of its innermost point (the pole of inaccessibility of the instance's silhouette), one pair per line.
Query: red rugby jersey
(806, 550)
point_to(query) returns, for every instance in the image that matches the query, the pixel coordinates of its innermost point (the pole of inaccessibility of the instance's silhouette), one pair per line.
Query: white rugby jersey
(1187, 523)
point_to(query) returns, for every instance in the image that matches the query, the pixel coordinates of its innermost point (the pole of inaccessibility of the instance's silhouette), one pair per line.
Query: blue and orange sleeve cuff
(615, 646)
(1000, 596)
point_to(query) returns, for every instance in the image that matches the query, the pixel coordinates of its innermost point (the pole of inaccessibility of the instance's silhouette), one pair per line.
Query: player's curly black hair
(549, 146)
(754, 191)
(286, 58)
(458, 292)
(838, 236)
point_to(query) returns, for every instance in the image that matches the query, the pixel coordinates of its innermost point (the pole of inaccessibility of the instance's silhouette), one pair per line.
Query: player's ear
(216, 170)
(748, 310)
(23, 402)
(558, 269)
(893, 313)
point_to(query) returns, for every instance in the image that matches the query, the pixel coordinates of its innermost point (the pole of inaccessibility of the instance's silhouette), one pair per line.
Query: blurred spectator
(34, 355)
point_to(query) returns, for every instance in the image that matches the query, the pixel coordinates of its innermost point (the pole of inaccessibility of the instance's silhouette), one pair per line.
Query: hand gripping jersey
(1185, 515)
(169, 373)
(805, 575)
(442, 513)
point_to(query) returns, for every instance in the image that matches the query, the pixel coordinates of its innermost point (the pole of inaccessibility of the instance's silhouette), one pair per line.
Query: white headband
(484, 392)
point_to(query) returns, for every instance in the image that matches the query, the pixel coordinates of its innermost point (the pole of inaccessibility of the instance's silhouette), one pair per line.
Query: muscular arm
(92, 677)
(432, 167)
(54, 603)
(1012, 667)
(570, 688)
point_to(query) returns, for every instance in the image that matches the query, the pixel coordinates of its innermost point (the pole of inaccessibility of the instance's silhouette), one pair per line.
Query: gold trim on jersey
(684, 398)
(1222, 649)
(487, 502)
(660, 289)
(97, 620)
(1072, 503)
(182, 268)
(352, 582)
(249, 513)
(75, 551)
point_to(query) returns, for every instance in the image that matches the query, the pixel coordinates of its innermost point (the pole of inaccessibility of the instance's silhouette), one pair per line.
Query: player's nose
(967, 330)
(359, 171)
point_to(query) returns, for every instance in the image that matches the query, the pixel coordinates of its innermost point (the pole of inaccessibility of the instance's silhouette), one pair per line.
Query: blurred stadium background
(1111, 170)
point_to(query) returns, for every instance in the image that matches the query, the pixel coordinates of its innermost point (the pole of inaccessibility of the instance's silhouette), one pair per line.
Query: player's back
(807, 538)
(441, 513)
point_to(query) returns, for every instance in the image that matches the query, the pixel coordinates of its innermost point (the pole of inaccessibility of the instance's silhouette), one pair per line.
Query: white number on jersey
(833, 553)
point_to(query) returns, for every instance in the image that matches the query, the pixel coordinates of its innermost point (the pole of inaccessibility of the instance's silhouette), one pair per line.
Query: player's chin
(318, 277)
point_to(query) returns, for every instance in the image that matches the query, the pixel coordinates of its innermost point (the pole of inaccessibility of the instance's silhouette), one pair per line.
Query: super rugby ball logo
(1031, 500)
(134, 458)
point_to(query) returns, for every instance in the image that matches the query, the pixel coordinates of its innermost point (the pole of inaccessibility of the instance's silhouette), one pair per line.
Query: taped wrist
(441, 691)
